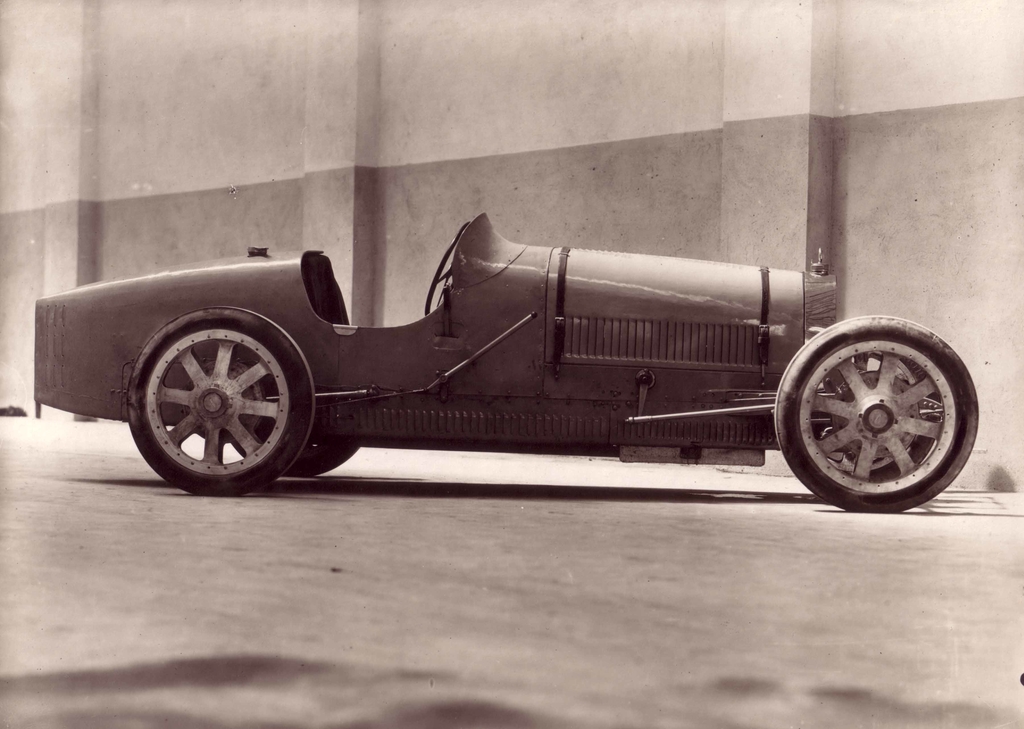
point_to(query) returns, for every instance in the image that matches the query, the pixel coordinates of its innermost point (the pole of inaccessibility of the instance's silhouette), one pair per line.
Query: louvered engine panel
(750, 432)
(474, 425)
(632, 340)
(51, 328)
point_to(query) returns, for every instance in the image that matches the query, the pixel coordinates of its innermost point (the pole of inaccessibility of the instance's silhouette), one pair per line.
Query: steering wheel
(441, 275)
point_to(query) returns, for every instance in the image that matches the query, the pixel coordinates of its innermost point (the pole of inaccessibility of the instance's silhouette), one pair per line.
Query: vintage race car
(234, 373)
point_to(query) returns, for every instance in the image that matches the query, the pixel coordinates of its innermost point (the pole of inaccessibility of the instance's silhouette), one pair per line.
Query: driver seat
(322, 288)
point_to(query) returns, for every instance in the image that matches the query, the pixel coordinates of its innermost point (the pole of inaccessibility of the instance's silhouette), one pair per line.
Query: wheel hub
(213, 402)
(877, 418)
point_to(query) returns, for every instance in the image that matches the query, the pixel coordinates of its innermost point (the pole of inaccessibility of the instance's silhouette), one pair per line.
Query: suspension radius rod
(743, 410)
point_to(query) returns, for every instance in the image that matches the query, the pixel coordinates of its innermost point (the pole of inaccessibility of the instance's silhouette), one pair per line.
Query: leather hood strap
(556, 357)
(763, 332)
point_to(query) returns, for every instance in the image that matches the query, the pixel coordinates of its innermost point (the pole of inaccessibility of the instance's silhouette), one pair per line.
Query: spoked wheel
(876, 414)
(222, 403)
(321, 454)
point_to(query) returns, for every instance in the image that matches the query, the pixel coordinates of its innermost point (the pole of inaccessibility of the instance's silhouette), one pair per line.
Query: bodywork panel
(676, 312)
(692, 325)
(481, 253)
(87, 339)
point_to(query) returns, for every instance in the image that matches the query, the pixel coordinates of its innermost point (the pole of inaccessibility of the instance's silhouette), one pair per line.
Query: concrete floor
(426, 590)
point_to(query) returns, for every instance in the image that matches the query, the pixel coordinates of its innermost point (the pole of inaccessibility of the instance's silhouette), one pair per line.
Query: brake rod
(441, 378)
(371, 391)
(743, 410)
(445, 376)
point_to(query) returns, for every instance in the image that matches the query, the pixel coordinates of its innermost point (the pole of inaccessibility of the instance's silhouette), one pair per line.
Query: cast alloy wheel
(223, 405)
(888, 428)
(876, 414)
(225, 399)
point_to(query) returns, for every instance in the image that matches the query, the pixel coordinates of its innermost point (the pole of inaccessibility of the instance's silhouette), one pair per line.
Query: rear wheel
(876, 414)
(321, 455)
(221, 403)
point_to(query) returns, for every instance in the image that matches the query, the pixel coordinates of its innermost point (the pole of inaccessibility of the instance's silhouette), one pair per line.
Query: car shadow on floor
(964, 503)
(523, 492)
(955, 503)
(327, 486)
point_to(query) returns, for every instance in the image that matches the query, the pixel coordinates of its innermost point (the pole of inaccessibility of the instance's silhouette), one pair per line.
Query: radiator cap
(818, 268)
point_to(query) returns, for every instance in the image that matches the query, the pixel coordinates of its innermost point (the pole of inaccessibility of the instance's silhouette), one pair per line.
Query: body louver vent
(592, 338)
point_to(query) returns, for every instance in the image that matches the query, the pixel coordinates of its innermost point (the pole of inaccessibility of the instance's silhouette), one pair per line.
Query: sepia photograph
(511, 364)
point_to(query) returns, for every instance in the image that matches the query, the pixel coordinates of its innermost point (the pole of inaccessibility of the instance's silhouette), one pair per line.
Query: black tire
(237, 380)
(321, 454)
(876, 414)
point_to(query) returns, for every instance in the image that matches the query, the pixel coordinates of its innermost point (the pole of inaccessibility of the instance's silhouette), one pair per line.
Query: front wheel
(876, 414)
(221, 402)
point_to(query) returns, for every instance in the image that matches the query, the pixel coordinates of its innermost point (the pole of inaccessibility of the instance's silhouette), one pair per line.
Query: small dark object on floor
(13, 412)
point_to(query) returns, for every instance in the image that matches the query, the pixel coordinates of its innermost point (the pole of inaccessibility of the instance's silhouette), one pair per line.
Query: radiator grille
(819, 303)
(593, 338)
